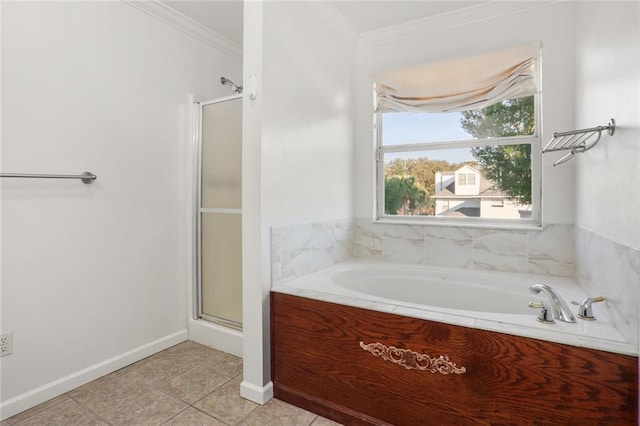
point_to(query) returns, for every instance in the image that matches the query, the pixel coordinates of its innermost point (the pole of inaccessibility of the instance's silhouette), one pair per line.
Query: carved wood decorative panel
(412, 360)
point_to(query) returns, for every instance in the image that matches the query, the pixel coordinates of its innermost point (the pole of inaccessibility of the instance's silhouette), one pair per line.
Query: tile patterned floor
(187, 384)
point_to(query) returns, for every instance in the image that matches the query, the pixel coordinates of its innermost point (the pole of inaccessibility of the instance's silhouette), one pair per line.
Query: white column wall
(298, 149)
(93, 273)
(308, 117)
(255, 237)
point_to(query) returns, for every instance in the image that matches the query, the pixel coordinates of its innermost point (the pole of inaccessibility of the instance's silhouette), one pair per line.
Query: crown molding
(177, 20)
(456, 18)
(336, 20)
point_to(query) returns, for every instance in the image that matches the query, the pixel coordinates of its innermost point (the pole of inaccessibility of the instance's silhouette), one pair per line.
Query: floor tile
(152, 408)
(191, 353)
(156, 371)
(196, 354)
(226, 404)
(188, 384)
(65, 413)
(278, 413)
(105, 394)
(193, 417)
(227, 363)
(195, 384)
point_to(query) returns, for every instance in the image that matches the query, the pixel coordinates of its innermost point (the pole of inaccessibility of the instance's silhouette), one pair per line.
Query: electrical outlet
(6, 344)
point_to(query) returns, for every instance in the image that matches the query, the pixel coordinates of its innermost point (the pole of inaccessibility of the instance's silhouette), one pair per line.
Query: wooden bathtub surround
(318, 364)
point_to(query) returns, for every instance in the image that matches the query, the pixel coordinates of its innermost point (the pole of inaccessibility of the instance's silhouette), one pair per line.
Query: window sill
(524, 225)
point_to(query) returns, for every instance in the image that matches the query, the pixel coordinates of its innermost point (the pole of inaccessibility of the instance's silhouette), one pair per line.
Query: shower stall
(218, 289)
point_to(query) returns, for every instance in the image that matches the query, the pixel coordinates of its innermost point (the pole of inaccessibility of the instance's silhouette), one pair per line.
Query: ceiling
(225, 16)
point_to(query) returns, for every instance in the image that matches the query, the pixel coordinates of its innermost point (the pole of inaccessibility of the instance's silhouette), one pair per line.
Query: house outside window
(466, 165)
(479, 201)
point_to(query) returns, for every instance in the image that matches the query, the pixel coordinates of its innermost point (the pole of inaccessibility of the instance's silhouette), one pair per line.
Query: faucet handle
(544, 316)
(585, 311)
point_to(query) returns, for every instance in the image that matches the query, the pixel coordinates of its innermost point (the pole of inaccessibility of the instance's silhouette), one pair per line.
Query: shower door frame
(199, 210)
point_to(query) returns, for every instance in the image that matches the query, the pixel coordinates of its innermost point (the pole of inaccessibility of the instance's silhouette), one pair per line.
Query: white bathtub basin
(496, 301)
(439, 289)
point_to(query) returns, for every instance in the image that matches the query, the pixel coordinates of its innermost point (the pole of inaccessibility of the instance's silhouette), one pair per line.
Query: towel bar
(86, 177)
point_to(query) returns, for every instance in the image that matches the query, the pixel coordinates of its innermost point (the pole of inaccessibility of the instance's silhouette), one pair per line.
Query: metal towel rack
(86, 177)
(577, 141)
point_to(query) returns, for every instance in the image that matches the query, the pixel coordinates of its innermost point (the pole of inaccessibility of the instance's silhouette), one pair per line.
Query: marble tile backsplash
(546, 252)
(301, 249)
(298, 250)
(610, 269)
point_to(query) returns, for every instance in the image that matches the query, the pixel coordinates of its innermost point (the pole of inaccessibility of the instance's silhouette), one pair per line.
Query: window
(453, 164)
(466, 179)
(471, 179)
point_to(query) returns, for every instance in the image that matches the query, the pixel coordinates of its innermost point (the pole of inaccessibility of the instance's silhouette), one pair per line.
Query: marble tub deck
(187, 384)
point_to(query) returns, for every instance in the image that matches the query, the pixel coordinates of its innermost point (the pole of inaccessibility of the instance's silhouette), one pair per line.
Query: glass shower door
(220, 212)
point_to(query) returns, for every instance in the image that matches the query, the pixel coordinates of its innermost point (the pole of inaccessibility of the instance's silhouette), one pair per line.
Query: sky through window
(406, 128)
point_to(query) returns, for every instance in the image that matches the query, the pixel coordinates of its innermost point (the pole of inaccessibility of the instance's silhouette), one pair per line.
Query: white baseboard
(216, 336)
(257, 394)
(44, 393)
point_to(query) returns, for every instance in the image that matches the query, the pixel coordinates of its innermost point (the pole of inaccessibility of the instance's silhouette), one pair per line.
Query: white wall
(607, 80)
(551, 25)
(91, 272)
(608, 86)
(298, 147)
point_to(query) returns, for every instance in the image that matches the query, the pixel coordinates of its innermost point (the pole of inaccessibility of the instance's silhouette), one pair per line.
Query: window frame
(536, 175)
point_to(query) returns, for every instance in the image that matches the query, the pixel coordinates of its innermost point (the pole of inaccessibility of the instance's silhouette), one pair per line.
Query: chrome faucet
(584, 309)
(558, 306)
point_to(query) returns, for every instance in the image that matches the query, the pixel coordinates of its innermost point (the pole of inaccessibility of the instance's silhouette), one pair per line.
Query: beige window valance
(460, 84)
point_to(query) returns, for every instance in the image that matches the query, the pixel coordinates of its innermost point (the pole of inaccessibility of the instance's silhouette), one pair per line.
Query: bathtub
(488, 300)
